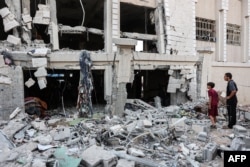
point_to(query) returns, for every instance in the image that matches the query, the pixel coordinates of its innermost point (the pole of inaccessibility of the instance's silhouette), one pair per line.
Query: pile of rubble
(145, 136)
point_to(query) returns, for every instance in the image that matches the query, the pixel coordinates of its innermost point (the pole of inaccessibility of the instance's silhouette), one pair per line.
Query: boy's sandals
(213, 126)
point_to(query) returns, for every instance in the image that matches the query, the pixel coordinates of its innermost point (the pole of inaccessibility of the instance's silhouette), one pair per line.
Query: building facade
(139, 49)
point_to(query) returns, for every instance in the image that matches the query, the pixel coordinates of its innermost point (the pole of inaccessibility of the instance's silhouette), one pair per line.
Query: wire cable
(83, 12)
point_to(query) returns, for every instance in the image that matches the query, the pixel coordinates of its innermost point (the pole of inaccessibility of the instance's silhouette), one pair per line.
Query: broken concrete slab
(136, 152)
(13, 127)
(44, 139)
(39, 125)
(125, 163)
(94, 156)
(62, 133)
(4, 140)
(14, 40)
(147, 123)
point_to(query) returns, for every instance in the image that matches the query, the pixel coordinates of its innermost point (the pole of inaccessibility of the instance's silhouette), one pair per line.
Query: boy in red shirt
(212, 104)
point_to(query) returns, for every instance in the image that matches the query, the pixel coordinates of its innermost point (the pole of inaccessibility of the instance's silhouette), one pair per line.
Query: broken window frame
(233, 34)
(205, 29)
(149, 39)
(82, 30)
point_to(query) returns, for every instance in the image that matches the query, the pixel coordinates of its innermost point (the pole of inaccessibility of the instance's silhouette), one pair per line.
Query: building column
(108, 25)
(245, 31)
(115, 21)
(159, 27)
(194, 27)
(124, 73)
(167, 25)
(221, 30)
(53, 30)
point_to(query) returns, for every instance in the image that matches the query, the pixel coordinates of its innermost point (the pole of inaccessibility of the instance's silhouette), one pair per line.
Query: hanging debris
(84, 102)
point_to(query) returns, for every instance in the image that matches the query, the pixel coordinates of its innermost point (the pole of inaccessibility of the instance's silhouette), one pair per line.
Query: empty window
(233, 34)
(205, 29)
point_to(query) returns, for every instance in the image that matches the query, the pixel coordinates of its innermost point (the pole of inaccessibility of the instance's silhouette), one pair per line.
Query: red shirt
(214, 95)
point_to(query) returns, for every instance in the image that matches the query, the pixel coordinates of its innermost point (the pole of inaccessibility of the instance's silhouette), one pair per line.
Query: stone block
(210, 151)
(30, 82)
(94, 156)
(4, 12)
(125, 163)
(247, 141)
(239, 130)
(39, 62)
(136, 152)
(42, 82)
(202, 136)
(41, 72)
(10, 22)
(27, 18)
(14, 40)
(39, 125)
(160, 122)
(171, 89)
(147, 123)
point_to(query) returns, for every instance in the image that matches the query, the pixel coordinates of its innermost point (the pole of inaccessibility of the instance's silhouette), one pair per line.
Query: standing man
(231, 100)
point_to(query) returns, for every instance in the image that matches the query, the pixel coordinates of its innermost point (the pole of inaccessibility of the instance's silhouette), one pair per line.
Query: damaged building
(139, 49)
(143, 63)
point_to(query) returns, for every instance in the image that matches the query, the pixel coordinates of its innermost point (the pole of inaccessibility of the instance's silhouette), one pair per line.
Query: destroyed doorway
(148, 84)
(138, 19)
(66, 82)
(81, 24)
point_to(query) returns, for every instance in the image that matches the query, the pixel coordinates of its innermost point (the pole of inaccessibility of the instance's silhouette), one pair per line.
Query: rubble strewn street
(144, 136)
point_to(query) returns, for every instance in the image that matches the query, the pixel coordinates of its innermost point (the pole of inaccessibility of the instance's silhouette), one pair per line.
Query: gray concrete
(11, 96)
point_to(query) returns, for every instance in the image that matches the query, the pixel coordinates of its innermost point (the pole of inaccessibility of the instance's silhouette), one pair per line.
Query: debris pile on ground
(145, 136)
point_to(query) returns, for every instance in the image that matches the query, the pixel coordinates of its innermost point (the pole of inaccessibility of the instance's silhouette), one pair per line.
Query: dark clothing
(231, 86)
(231, 103)
(214, 103)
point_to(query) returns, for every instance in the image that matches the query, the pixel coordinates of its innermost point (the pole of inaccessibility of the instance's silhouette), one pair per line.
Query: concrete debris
(62, 133)
(30, 82)
(9, 19)
(41, 72)
(239, 130)
(13, 40)
(15, 112)
(125, 163)
(145, 136)
(95, 156)
(135, 152)
(210, 151)
(39, 52)
(42, 15)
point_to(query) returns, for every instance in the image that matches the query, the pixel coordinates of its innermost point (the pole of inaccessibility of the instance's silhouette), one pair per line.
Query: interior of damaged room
(63, 115)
